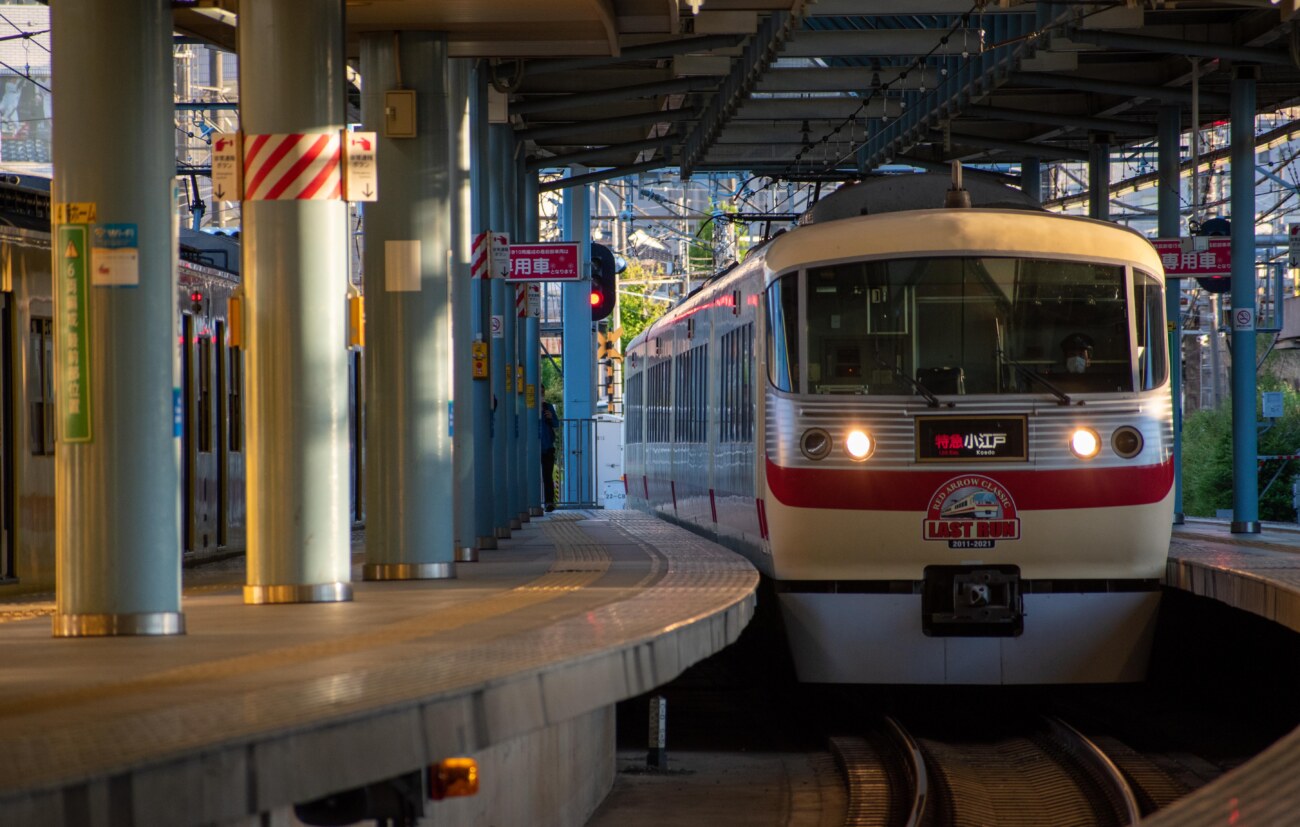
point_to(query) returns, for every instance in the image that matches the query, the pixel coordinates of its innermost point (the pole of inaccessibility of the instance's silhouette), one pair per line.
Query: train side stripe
(911, 490)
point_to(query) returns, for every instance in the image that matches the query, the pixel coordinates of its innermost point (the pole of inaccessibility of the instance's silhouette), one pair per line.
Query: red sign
(971, 511)
(545, 262)
(289, 167)
(1214, 260)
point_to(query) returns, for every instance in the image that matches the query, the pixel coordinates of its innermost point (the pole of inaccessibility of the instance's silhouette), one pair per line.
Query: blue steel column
(1169, 203)
(116, 496)
(519, 457)
(1099, 176)
(1031, 178)
(466, 427)
(533, 363)
(579, 351)
(503, 190)
(1245, 472)
(503, 307)
(481, 302)
(409, 472)
(295, 266)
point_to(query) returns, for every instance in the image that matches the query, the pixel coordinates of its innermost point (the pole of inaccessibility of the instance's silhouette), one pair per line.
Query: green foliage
(1207, 455)
(636, 311)
(553, 383)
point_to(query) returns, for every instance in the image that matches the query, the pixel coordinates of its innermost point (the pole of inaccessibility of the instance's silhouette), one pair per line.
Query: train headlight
(815, 443)
(859, 444)
(1127, 441)
(1084, 443)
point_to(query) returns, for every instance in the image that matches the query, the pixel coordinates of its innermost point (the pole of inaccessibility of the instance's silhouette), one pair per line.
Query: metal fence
(575, 464)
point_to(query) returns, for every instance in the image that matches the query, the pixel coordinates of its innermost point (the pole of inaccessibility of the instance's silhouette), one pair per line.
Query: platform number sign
(72, 338)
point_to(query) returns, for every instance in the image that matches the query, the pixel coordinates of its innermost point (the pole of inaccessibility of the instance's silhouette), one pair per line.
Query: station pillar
(579, 354)
(1169, 201)
(1245, 439)
(532, 361)
(117, 501)
(1099, 176)
(409, 361)
(465, 426)
(295, 268)
(480, 311)
(1031, 178)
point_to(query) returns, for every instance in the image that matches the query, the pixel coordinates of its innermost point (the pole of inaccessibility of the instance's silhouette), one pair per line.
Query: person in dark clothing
(546, 434)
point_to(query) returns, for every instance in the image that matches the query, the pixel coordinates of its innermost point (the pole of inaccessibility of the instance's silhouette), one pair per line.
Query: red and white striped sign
(521, 301)
(293, 167)
(480, 260)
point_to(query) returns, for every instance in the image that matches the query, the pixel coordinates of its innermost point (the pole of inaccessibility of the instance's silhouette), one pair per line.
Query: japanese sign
(116, 253)
(1293, 237)
(500, 255)
(1181, 257)
(72, 333)
(558, 261)
(360, 171)
(227, 166)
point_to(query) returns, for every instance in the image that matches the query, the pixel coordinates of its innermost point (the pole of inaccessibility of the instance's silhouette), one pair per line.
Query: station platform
(517, 662)
(1260, 574)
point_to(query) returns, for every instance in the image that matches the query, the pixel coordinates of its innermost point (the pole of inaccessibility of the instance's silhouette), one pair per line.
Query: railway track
(1044, 773)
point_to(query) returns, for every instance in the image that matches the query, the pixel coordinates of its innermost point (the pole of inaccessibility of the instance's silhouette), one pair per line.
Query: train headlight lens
(815, 443)
(859, 444)
(1127, 441)
(1084, 443)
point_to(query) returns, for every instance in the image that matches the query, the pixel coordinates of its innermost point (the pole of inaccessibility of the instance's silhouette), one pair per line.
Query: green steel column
(116, 493)
(462, 311)
(409, 472)
(295, 266)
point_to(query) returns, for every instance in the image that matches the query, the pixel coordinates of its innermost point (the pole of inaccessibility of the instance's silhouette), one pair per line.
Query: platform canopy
(807, 90)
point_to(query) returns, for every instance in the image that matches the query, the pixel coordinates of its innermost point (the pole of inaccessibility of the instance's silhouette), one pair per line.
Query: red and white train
(943, 434)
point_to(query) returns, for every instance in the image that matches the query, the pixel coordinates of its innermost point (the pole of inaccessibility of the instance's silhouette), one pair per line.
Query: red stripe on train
(911, 490)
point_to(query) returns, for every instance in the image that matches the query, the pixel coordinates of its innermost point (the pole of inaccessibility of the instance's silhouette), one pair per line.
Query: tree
(636, 307)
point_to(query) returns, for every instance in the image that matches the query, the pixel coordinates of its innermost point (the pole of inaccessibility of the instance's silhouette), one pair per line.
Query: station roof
(800, 89)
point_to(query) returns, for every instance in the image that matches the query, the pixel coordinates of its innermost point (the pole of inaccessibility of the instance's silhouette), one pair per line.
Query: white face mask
(1076, 364)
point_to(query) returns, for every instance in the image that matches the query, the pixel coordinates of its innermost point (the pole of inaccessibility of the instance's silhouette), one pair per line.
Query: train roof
(969, 231)
(913, 191)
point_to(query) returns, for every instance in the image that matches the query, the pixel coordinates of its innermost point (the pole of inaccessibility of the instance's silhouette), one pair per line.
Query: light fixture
(859, 445)
(1084, 443)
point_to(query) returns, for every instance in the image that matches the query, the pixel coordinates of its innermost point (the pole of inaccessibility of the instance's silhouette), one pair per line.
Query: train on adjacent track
(210, 387)
(944, 435)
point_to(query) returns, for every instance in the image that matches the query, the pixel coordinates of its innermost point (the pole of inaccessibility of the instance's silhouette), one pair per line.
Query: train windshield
(963, 326)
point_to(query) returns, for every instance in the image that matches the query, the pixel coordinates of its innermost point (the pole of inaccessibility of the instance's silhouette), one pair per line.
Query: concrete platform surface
(1257, 573)
(259, 707)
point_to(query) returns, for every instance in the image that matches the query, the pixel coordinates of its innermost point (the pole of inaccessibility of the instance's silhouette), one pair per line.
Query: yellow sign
(530, 395)
(519, 378)
(77, 212)
(479, 359)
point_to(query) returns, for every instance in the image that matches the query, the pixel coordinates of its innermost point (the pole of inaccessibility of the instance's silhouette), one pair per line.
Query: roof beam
(840, 79)
(604, 153)
(649, 51)
(602, 175)
(1168, 94)
(881, 43)
(1000, 113)
(798, 109)
(564, 130)
(550, 103)
(1143, 43)
(1015, 148)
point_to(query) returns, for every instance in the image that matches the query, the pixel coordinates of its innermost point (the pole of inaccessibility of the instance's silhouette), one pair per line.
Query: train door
(187, 441)
(223, 443)
(7, 447)
(356, 377)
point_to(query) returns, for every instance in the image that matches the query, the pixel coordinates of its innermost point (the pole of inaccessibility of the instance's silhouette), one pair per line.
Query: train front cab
(876, 582)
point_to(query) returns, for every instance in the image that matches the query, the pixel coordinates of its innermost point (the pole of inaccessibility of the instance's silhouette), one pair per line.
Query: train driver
(1077, 349)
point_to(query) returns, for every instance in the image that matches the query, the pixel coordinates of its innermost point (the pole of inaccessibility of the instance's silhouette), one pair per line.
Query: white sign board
(1272, 404)
(360, 171)
(500, 255)
(1243, 318)
(115, 255)
(535, 300)
(227, 166)
(1293, 236)
(498, 327)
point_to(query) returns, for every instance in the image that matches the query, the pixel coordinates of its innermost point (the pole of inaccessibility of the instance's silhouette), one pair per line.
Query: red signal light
(196, 296)
(597, 298)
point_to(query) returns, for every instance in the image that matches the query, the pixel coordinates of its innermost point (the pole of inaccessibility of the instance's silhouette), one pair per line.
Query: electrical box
(399, 113)
(479, 357)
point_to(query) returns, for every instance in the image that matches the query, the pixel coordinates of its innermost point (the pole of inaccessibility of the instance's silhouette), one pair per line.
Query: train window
(736, 423)
(40, 388)
(1149, 313)
(635, 408)
(658, 398)
(690, 420)
(783, 332)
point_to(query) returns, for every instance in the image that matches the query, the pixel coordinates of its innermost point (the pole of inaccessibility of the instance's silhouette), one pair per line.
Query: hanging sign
(360, 171)
(227, 166)
(1196, 257)
(500, 255)
(557, 261)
